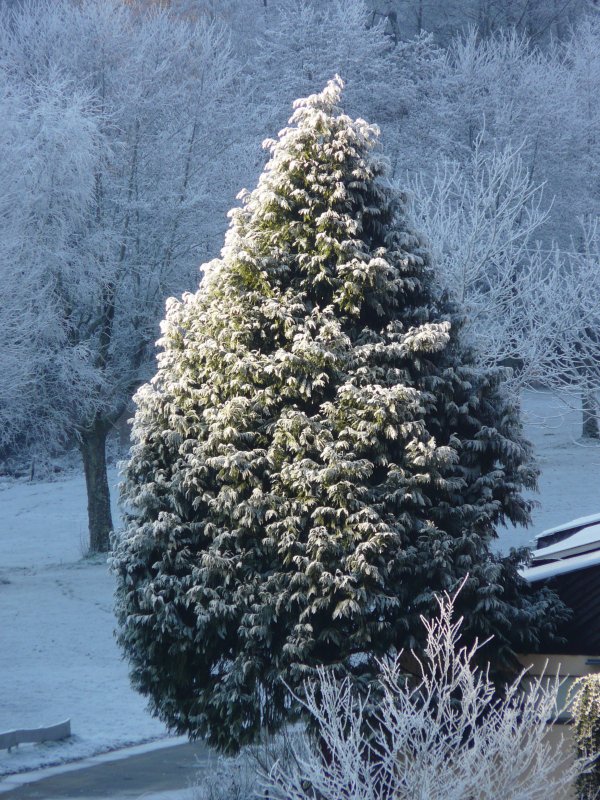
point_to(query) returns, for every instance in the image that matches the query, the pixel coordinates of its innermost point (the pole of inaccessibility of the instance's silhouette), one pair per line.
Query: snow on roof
(586, 536)
(574, 523)
(554, 568)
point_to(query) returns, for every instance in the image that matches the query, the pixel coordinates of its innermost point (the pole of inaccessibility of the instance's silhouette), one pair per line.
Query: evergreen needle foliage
(316, 456)
(586, 715)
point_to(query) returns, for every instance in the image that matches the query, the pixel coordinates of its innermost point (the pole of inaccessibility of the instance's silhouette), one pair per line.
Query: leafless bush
(445, 736)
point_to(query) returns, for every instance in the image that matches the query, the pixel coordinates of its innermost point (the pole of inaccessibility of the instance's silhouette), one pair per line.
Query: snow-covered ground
(569, 484)
(58, 657)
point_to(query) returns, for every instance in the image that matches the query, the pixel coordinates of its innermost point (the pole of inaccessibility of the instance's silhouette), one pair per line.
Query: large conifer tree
(316, 455)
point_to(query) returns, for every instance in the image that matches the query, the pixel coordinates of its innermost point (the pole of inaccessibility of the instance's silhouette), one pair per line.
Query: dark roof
(567, 560)
(561, 532)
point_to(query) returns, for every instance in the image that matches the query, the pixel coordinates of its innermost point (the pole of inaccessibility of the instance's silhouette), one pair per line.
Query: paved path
(160, 770)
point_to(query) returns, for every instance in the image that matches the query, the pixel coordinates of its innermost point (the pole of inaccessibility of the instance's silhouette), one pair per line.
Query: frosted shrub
(238, 777)
(227, 778)
(440, 733)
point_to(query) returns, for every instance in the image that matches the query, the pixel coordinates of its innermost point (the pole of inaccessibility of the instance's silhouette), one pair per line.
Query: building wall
(562, 736)
(569, 668)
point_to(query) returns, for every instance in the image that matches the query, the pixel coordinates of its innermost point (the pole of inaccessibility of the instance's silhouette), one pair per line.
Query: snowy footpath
(58, 656)
(175, 769)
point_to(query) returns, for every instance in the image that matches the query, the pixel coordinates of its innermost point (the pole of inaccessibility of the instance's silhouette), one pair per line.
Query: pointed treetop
(327, 100)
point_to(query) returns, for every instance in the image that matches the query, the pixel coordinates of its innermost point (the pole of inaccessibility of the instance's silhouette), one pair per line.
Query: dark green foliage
(316, 456)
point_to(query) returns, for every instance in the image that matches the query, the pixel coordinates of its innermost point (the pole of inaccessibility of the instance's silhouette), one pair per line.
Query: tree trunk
(93, 454)
(589, 407)
(420, 16)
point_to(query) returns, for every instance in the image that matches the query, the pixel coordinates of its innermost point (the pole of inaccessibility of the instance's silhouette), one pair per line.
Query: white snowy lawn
(569, 484)
(58, 657)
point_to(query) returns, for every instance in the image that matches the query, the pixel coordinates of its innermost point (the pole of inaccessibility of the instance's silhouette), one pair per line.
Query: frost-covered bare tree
(306, 42)
(538, 19)
(542, 103)
(46, 188)
(573, 299)
(490, 98)
(577, 167)
(529, 306)
(482, 219)
(492, 94)
(580, 122)
(159, 92)
(443, 734)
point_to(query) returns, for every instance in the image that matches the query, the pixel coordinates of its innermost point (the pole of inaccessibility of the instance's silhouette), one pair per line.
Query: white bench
(20, 736)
